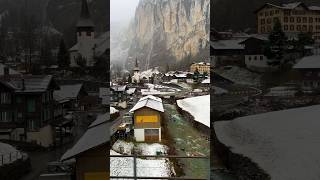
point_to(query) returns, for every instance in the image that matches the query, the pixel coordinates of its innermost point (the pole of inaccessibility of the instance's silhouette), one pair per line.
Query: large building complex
(294, 18)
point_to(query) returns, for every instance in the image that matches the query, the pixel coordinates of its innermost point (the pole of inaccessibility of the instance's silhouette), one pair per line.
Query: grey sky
(122, 10)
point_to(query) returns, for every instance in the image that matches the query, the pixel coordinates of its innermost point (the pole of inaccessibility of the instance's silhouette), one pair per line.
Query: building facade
(147, 119)
(202, 67)
(27, 109)
(294, 18)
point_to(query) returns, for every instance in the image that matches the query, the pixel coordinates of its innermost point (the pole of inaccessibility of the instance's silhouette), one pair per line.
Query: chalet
(90, 152)
(309, 69)
(27, 109)
(147, 118)
(71, 94)
(255, 59)
(226, 52)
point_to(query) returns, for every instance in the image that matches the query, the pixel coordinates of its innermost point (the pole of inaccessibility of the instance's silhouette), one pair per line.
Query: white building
(88, 45)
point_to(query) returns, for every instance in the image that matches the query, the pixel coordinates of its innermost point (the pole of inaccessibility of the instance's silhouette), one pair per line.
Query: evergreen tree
(277, 44)
(129, 79)
(63, 55)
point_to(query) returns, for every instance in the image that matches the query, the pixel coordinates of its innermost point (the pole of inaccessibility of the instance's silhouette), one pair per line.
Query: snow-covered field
(198, 107)
(123, 166)
(285, 144)
(5, 151)
(239, 75)
(155, 167)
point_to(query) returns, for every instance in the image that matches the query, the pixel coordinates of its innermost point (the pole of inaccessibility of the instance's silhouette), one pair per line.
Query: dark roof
(85, 17)
(289, 6)
(29, 83)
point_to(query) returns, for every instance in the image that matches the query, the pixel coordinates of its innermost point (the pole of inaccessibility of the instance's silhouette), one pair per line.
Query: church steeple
(136, 66)
(85, 17)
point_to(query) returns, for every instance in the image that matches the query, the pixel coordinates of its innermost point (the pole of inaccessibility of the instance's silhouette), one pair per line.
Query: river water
(190, 141)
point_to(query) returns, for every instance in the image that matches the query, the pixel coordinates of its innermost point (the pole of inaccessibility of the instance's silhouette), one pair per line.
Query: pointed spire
(85, 13)
(85, 17)
(136, 66)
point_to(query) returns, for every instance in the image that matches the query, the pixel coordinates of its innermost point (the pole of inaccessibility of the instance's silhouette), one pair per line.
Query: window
(269, 21)
(304, 28)
(5, 116)
(277, 11)
(285, 19)
(255, 57)
(305, 20)
(33, 125)
(249, 58)
(299, 19)
(310, 28)
(19, 99)
(263, 21)
(299, 28)
(292, 27)
(292, 19)
(310, 20)
(31, 106)
(261, 58)
(5, 98)
(88, 33)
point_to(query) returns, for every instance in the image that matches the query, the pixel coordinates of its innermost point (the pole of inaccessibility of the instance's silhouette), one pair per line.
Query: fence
(11, 157)
(135, 167)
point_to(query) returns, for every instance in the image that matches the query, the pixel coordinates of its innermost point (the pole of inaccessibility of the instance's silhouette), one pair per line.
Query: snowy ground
(154, 167)
(239, 75)
(198, 107)
(5, 151)
(285, 144)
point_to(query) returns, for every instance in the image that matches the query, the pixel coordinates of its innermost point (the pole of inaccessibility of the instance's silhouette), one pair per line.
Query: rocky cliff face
(169, 31)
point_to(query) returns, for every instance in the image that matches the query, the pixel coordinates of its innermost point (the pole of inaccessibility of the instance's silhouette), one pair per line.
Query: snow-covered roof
(227, 44)
(67, 91)
(149, 101)
(113, 110)
(6, 150)
(96, 135)
(198, 107)
(29, 83)
(308, 62)
(206, 81)
(131, 91)
(119, 88)
(278, 142)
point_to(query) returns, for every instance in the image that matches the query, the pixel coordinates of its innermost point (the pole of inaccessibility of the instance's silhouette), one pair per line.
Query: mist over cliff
(173, 32)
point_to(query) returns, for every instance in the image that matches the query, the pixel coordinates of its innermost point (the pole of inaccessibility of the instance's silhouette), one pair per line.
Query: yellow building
(202, 67)
(294, 18)
(147, 119)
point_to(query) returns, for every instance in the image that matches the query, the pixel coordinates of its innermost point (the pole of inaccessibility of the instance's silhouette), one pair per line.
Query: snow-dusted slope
(285, 144)
(198, 107)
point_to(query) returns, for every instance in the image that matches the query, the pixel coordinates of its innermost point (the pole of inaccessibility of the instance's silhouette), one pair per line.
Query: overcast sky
(122, 10)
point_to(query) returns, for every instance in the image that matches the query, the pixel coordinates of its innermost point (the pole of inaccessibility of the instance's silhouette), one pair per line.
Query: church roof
(85, 17)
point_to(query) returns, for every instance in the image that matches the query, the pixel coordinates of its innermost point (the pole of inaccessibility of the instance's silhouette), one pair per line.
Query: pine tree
(277, 44)
(129, 79)
(63, 55)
